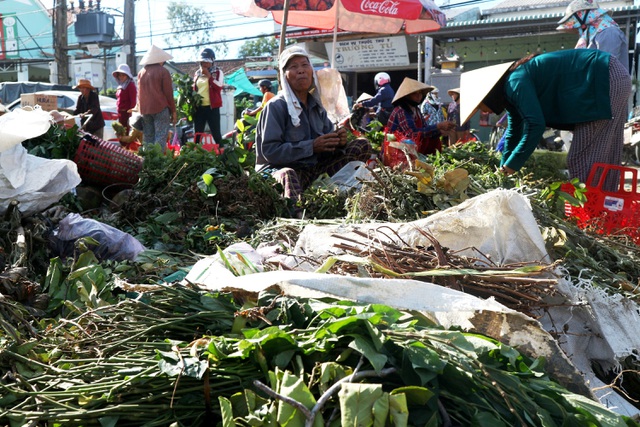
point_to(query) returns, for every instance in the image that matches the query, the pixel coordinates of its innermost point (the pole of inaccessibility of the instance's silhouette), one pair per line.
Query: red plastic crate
(609, 211)
(104, 163)
(208, 143)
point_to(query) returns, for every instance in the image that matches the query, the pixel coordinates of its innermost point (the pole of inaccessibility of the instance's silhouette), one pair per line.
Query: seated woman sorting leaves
(407, 119)
(295, 140)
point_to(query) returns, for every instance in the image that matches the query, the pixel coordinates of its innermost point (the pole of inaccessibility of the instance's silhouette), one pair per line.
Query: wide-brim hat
(454, 90)
(155, 55)
(123, 69)
(84, 83)
(476, 85)
(577, 6)
(409, 86)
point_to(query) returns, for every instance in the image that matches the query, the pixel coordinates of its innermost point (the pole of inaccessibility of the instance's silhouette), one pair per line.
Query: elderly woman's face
(299, 74)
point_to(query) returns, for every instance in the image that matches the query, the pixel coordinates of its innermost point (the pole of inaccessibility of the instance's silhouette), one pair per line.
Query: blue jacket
(280, 144)
(384, 96)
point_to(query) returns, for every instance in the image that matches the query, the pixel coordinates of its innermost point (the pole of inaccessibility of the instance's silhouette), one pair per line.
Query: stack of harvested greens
(107, 353)
(176, 356)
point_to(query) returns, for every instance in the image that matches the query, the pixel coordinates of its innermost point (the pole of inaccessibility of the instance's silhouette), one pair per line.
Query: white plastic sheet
(20, 124)
(35, 182)
(596, 326)
(501, 225)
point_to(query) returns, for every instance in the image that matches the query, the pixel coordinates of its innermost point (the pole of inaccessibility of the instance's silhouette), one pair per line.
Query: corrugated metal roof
(517, 24)
(513, 5)
(453, 13)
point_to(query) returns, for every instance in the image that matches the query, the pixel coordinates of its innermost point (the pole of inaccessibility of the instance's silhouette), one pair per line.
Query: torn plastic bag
(350, 177)
(114, 244)
(35, 182)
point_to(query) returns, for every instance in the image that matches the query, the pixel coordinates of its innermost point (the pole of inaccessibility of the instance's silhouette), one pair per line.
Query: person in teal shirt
(582, 90)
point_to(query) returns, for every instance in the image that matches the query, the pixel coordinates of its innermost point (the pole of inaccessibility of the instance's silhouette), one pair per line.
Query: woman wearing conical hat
(461, 131)
(155, 97)
(407, 120)
(583, 90)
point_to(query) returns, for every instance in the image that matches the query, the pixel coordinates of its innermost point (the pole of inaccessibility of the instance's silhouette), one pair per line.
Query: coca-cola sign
(384, 7)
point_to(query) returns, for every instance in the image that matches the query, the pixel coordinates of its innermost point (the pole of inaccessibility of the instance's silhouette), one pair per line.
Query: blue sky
(152, 23)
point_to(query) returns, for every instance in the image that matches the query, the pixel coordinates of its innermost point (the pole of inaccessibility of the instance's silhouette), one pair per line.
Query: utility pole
(130, 34)
(60, 41)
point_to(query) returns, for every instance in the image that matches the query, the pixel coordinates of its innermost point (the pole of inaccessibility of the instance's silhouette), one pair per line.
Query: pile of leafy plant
(197, 200)
(103, 344)
(56, 143)
(188, 100)
(175, 355)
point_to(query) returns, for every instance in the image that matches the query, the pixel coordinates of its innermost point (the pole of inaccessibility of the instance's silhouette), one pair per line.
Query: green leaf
(486, 419)
(167, 217)
(380, 410)
(362, 345)
(330, 372)
(398, 409)
(294, 387)
(595, 411)
(424, 365)
(356, 403)
(109, 421)
(226, 410)
(414, 395)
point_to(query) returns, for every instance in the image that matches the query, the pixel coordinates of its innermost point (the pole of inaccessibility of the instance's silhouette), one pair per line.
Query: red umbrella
(362, 16)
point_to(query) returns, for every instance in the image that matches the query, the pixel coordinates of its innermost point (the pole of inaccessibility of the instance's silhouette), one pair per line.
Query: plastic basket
(104, 163)
(609, 211)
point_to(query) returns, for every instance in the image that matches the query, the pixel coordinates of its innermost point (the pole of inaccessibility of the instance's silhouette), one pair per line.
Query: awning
(239, 80)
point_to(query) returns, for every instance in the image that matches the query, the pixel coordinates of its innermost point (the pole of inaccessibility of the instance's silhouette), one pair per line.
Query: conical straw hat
(475, 86)
(155, 55)
(409, 86)
(363, 97)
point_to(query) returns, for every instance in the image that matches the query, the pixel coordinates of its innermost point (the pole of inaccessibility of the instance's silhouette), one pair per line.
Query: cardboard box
(46, 102)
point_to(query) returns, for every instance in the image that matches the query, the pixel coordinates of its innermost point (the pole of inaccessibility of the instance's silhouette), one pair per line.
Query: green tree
(193, 26)
(264, 46)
